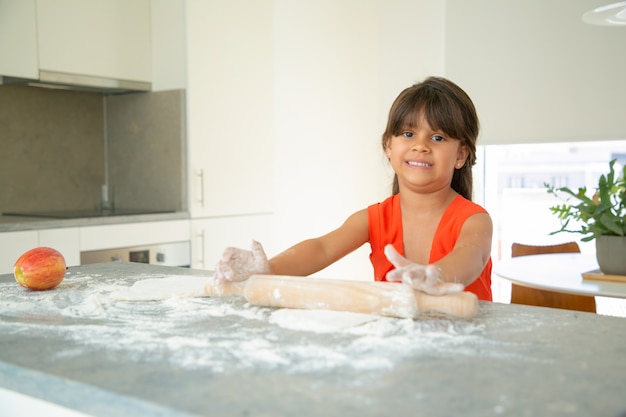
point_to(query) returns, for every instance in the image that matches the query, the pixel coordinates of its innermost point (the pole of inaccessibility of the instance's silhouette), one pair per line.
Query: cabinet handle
(200, 193)
(200, 249)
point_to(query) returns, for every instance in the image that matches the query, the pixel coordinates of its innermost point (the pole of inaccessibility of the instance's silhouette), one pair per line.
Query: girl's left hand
(425, 278)
(239, 264)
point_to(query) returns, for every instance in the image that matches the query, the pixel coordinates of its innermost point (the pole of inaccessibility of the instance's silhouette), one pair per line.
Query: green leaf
(601, 215)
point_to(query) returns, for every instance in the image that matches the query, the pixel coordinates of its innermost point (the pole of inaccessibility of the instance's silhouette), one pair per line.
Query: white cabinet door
(133, 234)
(211, 236)
(168, 45)
(230, 107)
(66, 240)
(18, 39)
(13, 245)
(103, 38)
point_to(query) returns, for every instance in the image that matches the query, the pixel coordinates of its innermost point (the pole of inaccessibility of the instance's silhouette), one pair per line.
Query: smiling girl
(428, 234)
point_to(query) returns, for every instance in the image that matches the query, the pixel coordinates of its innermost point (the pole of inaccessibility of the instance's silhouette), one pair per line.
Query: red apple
(40, 269)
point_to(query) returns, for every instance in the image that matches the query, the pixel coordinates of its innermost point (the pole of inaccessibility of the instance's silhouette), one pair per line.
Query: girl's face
(425, 159)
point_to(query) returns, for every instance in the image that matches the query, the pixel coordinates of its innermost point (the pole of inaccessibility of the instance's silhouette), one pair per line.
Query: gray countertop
(21, 223)
(77, 347)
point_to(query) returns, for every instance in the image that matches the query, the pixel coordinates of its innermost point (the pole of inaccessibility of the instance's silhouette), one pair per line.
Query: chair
(544, 298)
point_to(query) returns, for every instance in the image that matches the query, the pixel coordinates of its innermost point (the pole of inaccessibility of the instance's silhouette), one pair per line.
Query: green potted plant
(601, 217)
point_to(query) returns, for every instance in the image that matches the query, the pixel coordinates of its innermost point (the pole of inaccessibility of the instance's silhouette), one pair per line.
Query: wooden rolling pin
(379, 298)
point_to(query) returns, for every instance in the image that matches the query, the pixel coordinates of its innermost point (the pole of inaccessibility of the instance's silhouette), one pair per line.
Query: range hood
(77, 82)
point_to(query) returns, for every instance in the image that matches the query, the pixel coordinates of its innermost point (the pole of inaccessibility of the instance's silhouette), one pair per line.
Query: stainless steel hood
(77, 82)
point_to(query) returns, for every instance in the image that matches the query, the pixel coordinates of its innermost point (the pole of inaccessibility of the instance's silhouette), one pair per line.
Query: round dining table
(561, 272)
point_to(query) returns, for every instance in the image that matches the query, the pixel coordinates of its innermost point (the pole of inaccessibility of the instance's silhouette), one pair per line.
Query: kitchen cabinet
(230, 108)
(99, 38)
(230, 130)
(66, 240)
(71, 241)
(13, 245)
(103, 38)
(211, 236)
(168, 45)
(132, 234)
(18, 39)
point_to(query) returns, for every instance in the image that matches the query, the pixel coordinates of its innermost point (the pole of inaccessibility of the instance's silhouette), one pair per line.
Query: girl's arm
(313, 255)
(303, 259)
(457, 269)
(470, 254)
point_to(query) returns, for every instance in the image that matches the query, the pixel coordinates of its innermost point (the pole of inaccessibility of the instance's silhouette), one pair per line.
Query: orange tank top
(385, 226)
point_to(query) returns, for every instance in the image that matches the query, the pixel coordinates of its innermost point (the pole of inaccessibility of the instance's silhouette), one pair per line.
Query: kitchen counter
(20, 223)
(77, 347)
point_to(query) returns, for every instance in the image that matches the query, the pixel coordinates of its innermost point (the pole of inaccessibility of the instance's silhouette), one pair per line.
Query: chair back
(544, 298)
(519, 249)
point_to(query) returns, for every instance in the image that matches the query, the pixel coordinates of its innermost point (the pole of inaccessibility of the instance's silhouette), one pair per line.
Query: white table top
(560, 272)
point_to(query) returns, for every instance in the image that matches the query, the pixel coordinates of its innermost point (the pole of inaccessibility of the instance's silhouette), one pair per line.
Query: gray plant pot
(611, 254)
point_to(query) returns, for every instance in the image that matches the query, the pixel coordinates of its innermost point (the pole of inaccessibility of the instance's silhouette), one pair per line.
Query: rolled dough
(162, 288)
(319, 321)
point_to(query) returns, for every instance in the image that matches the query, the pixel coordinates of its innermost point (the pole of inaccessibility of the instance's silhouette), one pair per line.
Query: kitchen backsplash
(147, 150)
(52, 148)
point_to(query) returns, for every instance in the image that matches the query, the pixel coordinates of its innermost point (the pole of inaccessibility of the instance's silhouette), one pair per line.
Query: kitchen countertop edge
(20, 223)
(77, 396)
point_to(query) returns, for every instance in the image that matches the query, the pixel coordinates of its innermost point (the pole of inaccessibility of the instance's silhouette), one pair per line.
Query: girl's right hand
(239, 264)
(425, 278)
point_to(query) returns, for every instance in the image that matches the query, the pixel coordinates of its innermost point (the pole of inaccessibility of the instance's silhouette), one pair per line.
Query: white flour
(162, 288)
(226, 334)
(319, 321)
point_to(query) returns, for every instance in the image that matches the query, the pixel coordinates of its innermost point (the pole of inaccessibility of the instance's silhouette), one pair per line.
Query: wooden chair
(545, 298)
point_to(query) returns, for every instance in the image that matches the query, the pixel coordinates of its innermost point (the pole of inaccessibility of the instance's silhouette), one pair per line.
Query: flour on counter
(227, 334)
(161, 288)
(321, 321)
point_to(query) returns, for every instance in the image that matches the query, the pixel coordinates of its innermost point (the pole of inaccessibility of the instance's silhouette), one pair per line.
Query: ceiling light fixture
(613, 14)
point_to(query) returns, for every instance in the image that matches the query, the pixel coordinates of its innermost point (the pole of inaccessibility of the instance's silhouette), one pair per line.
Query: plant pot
(611, 254)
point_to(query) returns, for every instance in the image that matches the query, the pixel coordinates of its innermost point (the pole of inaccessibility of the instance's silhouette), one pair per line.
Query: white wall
(338, 65)
(536, 72)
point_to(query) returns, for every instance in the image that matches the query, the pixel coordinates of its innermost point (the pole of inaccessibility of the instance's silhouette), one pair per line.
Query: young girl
(428, 234)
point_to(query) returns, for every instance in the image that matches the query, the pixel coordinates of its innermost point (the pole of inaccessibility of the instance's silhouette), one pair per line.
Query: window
(510, 185)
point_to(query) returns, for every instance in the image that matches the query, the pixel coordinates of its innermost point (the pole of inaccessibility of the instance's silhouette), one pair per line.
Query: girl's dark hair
(445, 107)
